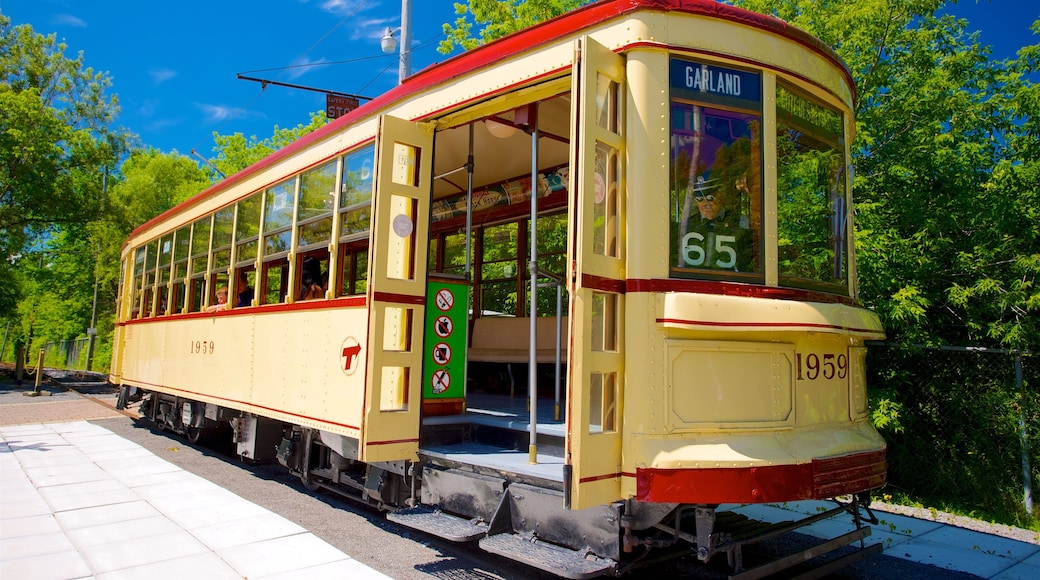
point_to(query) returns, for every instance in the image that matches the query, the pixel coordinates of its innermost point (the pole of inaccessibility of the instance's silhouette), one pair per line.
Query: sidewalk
(77, 501)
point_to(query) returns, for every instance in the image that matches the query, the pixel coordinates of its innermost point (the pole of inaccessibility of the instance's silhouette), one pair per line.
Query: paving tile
(95, 516)
(943, 555)
(23, 509)
(179, 477)
(119, 555)
(985, 543)
(29, 526)
(90, 494)
(246, 531)
(206, 565)
(59, 475)
(280, 555)
(86, 538)
(57, 566)
(1019, 572)
(131, 466)
(191, 516)
(1033, 560)
(34, 545)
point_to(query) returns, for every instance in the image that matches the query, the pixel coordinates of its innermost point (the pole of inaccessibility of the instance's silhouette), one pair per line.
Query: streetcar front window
(811, 193)
(716, 166)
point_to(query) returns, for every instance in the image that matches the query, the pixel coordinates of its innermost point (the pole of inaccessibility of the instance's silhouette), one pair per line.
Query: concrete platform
(78, 501)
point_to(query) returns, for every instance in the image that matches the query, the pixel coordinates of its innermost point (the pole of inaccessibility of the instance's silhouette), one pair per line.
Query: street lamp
(389, 44)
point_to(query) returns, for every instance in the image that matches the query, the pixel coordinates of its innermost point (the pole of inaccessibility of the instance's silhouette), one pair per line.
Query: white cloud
(221, 112)
(161, 75)
(343, 6)
(302, 66)
(69, 20)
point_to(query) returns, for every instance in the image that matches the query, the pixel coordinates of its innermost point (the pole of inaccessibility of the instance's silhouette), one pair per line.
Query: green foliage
(236, 152)
(494, 19)
(57, 133)
(885, 412)
(953, 421)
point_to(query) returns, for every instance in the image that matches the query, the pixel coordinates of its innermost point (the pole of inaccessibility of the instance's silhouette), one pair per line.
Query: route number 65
(694, 253)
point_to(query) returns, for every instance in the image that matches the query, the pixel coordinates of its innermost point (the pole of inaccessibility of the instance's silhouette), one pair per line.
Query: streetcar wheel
(309, 483)
(195, 434)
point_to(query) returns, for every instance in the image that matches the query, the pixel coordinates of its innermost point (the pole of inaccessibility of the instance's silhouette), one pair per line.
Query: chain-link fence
(962, 425)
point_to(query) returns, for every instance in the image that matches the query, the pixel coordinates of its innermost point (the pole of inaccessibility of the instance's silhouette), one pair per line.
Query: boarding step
(550, 557)
(439, 523)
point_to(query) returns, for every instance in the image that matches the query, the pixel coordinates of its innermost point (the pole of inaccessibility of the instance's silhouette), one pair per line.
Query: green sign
(444, 360)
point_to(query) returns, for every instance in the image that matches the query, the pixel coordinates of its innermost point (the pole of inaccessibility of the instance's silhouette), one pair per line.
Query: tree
(56, 135)
(497, 18)
(235, 152)
(948, 235)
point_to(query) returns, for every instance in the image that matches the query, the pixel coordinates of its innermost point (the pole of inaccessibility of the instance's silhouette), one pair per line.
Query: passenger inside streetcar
(222, 298)
(310, 286)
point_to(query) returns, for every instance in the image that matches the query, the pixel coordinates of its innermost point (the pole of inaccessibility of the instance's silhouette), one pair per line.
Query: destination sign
(703, 81)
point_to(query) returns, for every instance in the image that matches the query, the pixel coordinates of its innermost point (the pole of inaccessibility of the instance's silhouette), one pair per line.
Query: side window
(811, 193)
(314, 230)
(275, 280)
(137, 291)
(277, 228)
(353, 261)
(498, 280)
(220, 260)
(313, 279)
(247, 240)
(151, 258)
(199, 264)
(355, 200)
(181, 251)
(163, 277)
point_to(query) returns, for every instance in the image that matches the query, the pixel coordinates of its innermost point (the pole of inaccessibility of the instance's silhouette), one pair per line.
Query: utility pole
(406, 41)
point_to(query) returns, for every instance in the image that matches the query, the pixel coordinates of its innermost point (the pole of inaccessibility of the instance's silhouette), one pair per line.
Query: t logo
(349, 353)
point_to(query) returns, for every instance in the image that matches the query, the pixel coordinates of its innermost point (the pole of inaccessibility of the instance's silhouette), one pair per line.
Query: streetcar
(569, 296)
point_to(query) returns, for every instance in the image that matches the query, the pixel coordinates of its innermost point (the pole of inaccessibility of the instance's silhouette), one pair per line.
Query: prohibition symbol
(440, 381)
(444, 300)
(443, 326)
(441, 353)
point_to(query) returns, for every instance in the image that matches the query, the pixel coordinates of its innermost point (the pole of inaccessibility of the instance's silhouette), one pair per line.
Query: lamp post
(389, 43)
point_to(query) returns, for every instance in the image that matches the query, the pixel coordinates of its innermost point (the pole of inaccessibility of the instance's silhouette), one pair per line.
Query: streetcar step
(545, 556)
(438, 523)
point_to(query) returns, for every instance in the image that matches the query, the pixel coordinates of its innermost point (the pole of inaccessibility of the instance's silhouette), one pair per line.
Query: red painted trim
(398, 298)
(592, 478)
(766, 325)
(503, 48)
(820, 479)
(735, 289)
(237, 402)
(392, 442)
(345, 302)
(601, 283)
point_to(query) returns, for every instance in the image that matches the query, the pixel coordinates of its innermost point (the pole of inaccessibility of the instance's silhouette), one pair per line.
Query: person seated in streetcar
(222, 303)
(310, 280)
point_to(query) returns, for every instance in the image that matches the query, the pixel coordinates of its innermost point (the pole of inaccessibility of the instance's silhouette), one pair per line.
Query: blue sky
(174, 64)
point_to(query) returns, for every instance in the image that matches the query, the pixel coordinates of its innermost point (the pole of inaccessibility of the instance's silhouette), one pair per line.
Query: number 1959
(201, 347)
(827, 366)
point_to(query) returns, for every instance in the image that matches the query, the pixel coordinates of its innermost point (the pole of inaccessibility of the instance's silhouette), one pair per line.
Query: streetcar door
(397, 290)
(596, 384)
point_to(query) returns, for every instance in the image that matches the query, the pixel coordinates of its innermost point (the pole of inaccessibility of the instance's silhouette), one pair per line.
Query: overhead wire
(319, 41)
